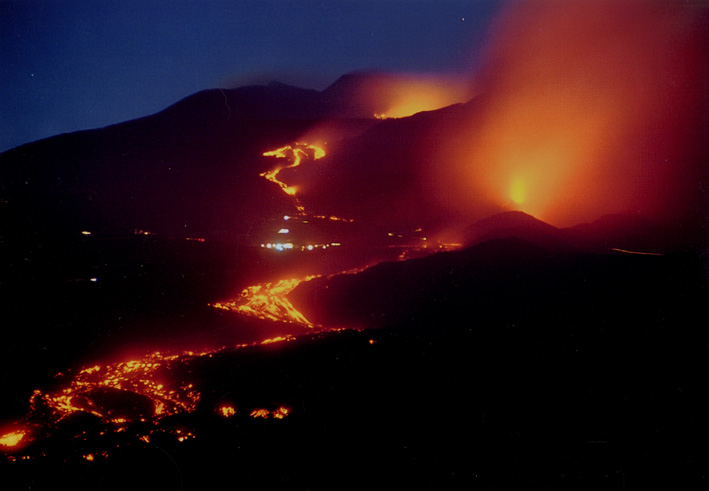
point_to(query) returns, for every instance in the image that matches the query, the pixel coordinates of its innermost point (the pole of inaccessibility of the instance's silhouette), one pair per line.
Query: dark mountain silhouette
(193, 169)
(635, 233)
(190, 169)
(380, 176)
(503, 278)
(520, 225)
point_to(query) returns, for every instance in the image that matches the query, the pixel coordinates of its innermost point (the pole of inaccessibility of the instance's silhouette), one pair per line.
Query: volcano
(266, 285)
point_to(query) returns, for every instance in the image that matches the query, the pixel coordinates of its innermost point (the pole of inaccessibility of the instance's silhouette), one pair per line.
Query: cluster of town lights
(283, 246)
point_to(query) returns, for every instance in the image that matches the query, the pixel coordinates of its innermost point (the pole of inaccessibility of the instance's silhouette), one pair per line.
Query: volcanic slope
(94, 223)
(505, 362)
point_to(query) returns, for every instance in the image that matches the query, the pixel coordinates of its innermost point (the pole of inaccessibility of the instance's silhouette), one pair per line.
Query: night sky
(75, 65)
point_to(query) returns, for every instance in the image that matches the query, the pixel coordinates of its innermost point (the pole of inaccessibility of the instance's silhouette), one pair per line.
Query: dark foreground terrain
(502, 365)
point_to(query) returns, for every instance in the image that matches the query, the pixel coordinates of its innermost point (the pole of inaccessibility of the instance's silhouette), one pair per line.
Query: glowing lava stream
(269, 301)
(298, 152)
(147, 389)
(143, 377)
(113, 393)
(12, 439)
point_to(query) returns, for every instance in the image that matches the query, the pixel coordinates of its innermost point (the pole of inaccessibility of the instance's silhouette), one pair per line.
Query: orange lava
(227, 411)
(268, 301)
(297, 153)
(144, 377)
(12, 439)
(279, 413)
(260, 413)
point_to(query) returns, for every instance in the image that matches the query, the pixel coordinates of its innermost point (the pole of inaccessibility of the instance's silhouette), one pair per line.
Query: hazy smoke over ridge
(588, 107)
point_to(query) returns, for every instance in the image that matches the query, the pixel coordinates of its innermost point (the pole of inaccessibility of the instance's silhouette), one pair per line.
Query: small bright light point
(269, 246)
(310, 247)
(93, 280)
(283, 231)
(518, 191)
(288, 246)
(85, 232)
(286, 218)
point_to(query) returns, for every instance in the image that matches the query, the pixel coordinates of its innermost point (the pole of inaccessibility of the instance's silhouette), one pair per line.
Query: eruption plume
(588, 108)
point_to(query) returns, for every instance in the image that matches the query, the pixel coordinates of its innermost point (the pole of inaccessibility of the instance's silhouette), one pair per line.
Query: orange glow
(143, 377)
(227, 411)
(586, 108)
(297, 153)
(12, 439)
(278, 339)
(518, 191)
(148, 377)
(269, 301)
(404, 94)
(260, 413)
(183, 435)
(279, 413)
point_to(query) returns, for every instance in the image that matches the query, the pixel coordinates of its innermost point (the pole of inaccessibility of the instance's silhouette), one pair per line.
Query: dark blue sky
(70, 65)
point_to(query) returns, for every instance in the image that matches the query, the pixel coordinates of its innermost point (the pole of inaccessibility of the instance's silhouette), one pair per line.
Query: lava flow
(269, 301)
(120, 394)
(298, 152)
(94, 389)
(12, 439)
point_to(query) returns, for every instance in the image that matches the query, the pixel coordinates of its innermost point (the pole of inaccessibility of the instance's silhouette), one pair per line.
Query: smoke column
(587, 108)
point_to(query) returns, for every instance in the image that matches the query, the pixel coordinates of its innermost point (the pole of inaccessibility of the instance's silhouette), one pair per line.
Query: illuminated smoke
(588, 108)
(397, 95)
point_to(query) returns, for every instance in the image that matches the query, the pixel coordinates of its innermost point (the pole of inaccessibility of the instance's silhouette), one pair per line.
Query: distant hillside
(500, 280)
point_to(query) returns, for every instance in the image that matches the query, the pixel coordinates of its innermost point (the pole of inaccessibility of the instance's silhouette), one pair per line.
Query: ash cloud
(588, 108)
